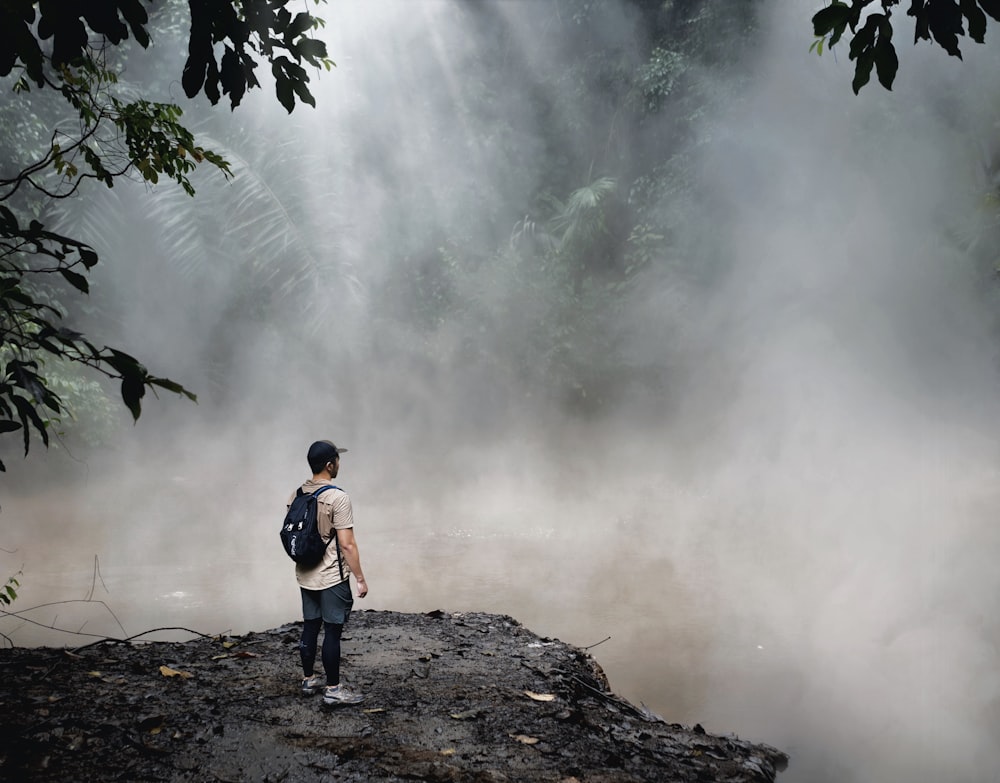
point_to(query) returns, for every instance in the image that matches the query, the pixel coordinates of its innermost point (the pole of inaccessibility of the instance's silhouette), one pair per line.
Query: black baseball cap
(323, 451)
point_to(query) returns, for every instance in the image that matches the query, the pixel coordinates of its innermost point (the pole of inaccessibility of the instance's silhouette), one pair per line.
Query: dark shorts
(332, 604)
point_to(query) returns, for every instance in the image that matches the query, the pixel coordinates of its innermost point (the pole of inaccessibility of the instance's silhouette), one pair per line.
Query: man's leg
(331, 652)
(307, 645)
(337, 603)
(312, 621)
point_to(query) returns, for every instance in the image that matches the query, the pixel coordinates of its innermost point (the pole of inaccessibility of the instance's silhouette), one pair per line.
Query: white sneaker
(334, 695)
(312, 685)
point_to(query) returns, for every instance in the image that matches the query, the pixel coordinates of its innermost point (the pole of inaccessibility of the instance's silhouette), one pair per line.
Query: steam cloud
(792, 539)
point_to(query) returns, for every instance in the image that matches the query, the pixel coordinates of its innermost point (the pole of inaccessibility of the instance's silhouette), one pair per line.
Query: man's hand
(362, 588)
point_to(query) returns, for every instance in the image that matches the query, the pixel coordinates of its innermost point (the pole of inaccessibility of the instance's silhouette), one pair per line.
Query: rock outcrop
(449, 697)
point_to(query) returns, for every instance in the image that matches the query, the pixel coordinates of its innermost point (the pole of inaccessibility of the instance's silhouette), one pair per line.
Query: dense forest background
(636, 321)
(545, 161)
(548, 165)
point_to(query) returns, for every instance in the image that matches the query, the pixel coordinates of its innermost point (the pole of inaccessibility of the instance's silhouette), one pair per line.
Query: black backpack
(300, 532)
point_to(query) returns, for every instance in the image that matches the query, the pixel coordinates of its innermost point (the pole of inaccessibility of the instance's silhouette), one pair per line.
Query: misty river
(692, 602)
(639, 326)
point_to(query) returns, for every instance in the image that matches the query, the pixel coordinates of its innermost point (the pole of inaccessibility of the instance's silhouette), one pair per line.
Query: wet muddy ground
(449, 697)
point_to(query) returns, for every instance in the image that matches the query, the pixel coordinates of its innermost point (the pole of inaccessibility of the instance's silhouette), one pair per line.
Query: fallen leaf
(113, 680)
(448, 752)
(373, 710)
(540, 696)
(229, 645)
(95, 674)
(242, 654)
(220, 657)
(166, 671)
(151, 723)
(466, 715)
(525, 739)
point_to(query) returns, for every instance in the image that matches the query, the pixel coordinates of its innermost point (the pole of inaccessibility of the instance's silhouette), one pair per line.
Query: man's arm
(349, 549)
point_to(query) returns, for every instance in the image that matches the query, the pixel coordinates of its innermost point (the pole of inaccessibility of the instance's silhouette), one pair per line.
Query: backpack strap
(333, 530)
(321, 490)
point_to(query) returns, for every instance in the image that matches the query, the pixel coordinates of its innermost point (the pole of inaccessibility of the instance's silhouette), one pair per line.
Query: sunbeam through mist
(689, 347)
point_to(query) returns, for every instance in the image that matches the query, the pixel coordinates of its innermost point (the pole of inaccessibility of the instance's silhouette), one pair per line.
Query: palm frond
(582, 219)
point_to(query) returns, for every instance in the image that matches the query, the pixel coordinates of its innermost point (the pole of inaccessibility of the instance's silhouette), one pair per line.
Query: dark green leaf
(212, 82)
(886, 63)
(133, 390)
(310, 49)
(286, 95)
(137, 19)
(832, 18)
(28, 380)
(18, 296)
(301, 23)
(992, 7)
(123, 363)
(865, 37)
(303, 92)
(75, 279)
(194, 72)
(249, 64)
(26, 412)
(863, 70)
(944, 20)
(87, 256)
(977, 20)
(169, 385)
(918, 11)
(233, 79)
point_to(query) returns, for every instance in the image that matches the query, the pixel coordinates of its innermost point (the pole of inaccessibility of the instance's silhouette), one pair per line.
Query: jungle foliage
(607, 213)
(943, 22)
(70, 118)
(8, 593)
(615, 119)
(591, 193)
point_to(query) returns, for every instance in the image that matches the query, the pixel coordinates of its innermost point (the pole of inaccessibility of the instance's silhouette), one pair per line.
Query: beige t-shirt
(333, 510)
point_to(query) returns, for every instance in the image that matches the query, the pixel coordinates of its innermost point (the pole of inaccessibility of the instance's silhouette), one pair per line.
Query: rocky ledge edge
(464, 697)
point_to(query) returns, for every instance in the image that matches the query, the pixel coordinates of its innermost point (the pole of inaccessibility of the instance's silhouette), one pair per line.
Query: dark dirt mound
(462, 697)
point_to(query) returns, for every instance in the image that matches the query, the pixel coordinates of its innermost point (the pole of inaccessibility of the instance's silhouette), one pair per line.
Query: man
(326, 587)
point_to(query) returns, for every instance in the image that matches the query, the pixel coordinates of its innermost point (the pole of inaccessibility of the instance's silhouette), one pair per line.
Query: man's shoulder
(310, 486)
(330, 490)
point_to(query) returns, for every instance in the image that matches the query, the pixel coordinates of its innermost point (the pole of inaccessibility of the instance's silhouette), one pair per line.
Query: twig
(618, 701)
(20, 614)
(129, 639)
(93, 581)
(43, 625)
(591, 646)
